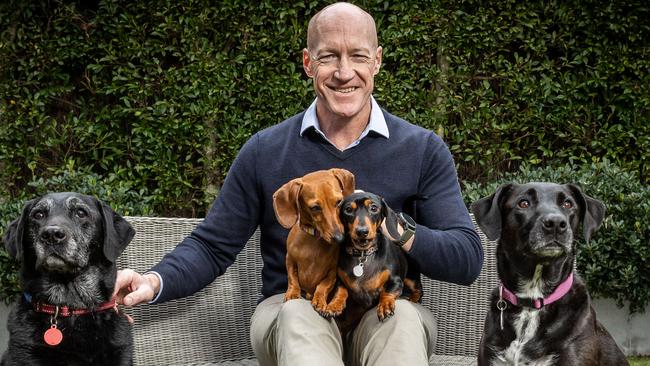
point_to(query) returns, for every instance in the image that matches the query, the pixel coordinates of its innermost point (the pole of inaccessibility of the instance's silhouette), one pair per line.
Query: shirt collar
(377, 122)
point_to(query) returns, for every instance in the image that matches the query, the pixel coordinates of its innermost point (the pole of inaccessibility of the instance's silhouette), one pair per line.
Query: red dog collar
(66, 311)
(560, 291)
(53, 335)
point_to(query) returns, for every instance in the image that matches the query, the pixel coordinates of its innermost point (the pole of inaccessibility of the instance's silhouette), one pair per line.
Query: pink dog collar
(560, 291)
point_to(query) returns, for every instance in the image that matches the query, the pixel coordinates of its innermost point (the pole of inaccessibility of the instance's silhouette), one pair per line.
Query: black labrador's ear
(15, 232)
(592, 211)
(390, 218)
(117, 232)
(487, 211)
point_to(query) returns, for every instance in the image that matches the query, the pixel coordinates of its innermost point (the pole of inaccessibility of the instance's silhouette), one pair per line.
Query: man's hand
(132, 288)
(407, 246)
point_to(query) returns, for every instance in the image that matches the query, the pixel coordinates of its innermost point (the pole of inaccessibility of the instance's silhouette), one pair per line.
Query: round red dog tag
(53, 336)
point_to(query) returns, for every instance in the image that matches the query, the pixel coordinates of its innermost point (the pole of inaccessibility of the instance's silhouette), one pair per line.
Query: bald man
(344, 127)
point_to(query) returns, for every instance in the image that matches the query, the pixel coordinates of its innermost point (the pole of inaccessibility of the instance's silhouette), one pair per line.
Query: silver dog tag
(358, 270)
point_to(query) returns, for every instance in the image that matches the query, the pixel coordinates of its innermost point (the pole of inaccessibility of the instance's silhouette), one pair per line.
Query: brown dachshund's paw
(291, 295)
(385, 309)
(321, 308)
(325, 314)
(335, 309)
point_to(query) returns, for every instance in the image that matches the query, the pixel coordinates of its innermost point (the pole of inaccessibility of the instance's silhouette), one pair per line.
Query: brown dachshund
(308, 206)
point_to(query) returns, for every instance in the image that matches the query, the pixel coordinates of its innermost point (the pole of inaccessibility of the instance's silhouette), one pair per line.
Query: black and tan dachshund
(372, 267)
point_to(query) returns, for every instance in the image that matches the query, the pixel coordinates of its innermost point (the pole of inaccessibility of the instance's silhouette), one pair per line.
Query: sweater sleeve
(214, 244)
(446, 246)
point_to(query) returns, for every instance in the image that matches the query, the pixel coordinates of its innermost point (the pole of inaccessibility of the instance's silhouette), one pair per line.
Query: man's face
(343, 62)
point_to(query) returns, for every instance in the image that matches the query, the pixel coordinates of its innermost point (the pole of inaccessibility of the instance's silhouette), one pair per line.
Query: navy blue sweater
(412, 163)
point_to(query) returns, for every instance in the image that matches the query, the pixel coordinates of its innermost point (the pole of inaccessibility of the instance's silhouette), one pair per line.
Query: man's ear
(378, 57)
(307, 63)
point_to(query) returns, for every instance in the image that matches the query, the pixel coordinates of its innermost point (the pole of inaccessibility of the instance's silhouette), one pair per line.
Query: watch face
(408, 220)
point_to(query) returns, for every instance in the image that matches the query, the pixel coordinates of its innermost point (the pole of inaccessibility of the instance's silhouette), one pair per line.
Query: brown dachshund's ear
(391, 220)
(15, 232)
(592, 211)
(117, 232)
(346, 180)
(487, 212)
(285, 203)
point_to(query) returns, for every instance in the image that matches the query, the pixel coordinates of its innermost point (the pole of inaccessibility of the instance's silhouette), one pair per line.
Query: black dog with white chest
(67, 244)
(541, 313)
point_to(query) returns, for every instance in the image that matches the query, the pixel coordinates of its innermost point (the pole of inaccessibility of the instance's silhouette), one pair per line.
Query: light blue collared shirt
(377, 123)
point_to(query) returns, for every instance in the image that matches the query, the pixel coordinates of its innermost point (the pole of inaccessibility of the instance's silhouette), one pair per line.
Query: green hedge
(158, 96)
(616, 261)
(163, 93)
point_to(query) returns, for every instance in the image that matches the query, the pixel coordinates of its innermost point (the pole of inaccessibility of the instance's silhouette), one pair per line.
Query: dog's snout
(338, 238)
(362, 231)
(555, 223)
(54, 234)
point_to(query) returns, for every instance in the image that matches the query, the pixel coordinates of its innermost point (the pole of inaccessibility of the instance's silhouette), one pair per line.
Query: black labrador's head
(63, 233)
(538, 219)
(362, 214)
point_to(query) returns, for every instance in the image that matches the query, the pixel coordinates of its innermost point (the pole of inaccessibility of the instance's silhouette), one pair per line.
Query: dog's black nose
(555, 223)
(338, 238)
(54, 234)
(362, 231)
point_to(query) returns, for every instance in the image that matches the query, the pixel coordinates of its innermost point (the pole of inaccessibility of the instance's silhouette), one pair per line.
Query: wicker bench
(211, 327)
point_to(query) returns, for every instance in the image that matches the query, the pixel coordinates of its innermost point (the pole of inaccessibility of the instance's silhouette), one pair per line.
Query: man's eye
(326, 59)
(360, 59)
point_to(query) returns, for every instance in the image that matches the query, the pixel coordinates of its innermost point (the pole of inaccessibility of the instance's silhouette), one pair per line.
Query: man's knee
(409, 318)
(406, 313)
(296, 313)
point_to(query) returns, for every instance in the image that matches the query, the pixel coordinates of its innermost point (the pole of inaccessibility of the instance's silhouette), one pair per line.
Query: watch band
(409, 228)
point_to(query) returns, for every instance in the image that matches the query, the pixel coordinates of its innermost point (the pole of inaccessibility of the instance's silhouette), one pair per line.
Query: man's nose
(344, 69)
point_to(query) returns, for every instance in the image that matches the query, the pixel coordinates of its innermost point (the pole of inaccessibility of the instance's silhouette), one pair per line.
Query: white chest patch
(525, 324)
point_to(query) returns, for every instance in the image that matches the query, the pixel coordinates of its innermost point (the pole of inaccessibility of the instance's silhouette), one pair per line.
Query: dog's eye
(315, 208)
(348, 210)
(38, 215)
(81, 213)
(374, 209)
(523, 204)
(567, 204)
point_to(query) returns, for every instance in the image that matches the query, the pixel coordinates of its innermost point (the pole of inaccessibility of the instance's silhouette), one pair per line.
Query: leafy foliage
(616, 261)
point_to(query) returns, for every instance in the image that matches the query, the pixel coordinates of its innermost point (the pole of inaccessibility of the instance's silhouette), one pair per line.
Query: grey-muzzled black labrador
(67, 244)
(541, 313)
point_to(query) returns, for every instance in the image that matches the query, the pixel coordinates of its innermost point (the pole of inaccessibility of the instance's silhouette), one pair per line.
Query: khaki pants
(292, 333)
